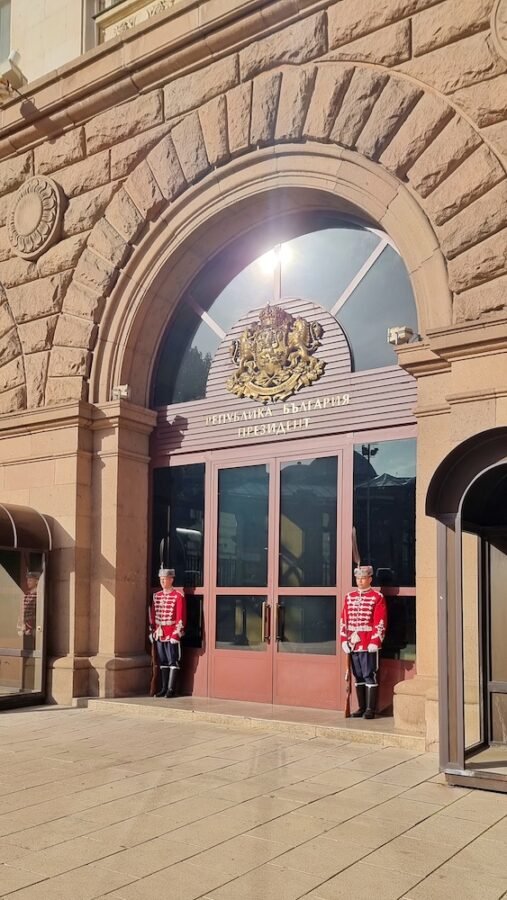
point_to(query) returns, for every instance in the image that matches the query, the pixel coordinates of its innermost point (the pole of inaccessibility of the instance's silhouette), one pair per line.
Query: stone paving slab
(129, 808)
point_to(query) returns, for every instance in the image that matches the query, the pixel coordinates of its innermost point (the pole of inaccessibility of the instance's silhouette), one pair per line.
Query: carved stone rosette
(499, 27)
(34, 222)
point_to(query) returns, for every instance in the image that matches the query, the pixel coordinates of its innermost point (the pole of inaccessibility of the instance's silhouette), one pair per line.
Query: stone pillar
(118, 661)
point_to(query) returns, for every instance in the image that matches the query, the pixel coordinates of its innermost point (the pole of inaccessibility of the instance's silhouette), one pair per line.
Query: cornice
(189, 35)
(469, 339)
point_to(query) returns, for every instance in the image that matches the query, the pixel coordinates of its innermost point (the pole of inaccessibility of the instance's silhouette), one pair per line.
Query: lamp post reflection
(367, 452)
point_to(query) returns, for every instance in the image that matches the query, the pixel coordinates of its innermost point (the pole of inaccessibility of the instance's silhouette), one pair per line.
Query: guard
(362, 629)
(167, 620)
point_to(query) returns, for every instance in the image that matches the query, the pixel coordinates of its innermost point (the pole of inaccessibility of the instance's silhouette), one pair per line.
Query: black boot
(361, 699)
(173, 677)
(372, 701)
(164, 674)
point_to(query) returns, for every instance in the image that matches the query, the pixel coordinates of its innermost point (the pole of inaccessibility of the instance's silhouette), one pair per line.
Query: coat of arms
(274, 356)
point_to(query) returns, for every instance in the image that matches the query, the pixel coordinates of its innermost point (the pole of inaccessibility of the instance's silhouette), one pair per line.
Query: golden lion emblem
(274, 356)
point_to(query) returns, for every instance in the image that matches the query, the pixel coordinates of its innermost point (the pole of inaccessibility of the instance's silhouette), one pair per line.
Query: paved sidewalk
(95, 806)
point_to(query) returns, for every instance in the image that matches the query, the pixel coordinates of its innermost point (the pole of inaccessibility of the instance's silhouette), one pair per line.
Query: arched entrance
(260, 481)
(468, 496)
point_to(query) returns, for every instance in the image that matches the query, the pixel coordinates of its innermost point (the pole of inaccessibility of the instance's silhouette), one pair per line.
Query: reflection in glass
(399, 642)
(178, 523)
(307, 625)
(194, 628)
(243, 526)
(308, 498)
(471, 638)
(239, 623)
(384, 509)
(21, 621)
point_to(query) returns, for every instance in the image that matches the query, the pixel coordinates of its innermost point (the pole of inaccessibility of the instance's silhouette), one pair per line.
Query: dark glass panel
(243, 526)
(308, 497)
(307, 625)
(498, 611)
(239, 623)
(384, 509)
(382, 299)
(178, 523)
(399, 642)
(185, 358)
(194, 628)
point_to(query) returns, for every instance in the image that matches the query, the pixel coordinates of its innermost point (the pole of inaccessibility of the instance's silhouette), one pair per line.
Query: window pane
(21, 621)
(384, 509)
(243, 526)
(178, 523)
(399, 642)
(184, 360)
(308, 497)
(382, 299)
(5, 29)
(194, 627)
(498, 611)
(307, 625)
(239, 623)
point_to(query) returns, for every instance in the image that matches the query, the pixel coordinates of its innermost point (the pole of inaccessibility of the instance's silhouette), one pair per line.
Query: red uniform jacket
(363, 620)
(168, 615)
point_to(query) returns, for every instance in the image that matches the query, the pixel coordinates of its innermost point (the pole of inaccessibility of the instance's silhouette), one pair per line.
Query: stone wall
(417, 86)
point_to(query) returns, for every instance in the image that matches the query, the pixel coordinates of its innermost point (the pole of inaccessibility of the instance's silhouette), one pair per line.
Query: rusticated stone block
(5, 246)
(486, 299)
(86, 209)
(387, 47)
(14, 171)
(188, 141)
(421, 127)
(475, 223)
(119, 122)
(62, 256)
(457, 65)
(476, 175)
(349, 19)
(197, 88)
(65, 390)
(239, 108)
(6, 320)
(37, 335)
(127, 154)
(86, 175)
(69, 361)
(165, 165)
(485, 103)
(213, 117)
(295, 95)
(36, 373)
(481, 263)
(54, 154)
(12, 401)
(497, 134)
(447, 22)
(95, 272)
(144, 190)
(83, 302)
(10, 346)
(16, 271)
(29, 302)
(448, 150)
(72, 331)
(393, 106)
(266, 92)
(105, 240)
(297, 43)
(124, 216)
(330, 88)
(12, 374)
(364, 90)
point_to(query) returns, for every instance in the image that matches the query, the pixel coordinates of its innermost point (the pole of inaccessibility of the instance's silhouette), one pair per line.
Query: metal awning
(23, 528)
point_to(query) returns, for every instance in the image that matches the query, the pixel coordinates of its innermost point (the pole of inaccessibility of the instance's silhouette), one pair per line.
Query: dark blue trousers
(364, 666)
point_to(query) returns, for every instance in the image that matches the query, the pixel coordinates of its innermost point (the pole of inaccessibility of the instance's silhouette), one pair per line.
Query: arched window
(351, 270)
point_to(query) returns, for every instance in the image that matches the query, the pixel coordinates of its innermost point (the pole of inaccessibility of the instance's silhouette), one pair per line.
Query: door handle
(265, 622)
(280, 622)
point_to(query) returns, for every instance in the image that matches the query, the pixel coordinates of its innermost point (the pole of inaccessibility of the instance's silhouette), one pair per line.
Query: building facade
(207, 174)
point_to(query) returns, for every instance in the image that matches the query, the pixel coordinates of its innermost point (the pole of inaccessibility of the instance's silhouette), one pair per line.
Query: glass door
(275, 577)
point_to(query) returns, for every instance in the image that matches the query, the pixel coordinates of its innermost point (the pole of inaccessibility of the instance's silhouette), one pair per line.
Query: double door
(276, 571)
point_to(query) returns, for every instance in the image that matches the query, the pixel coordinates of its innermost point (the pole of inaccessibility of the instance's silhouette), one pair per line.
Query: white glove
(372, 648)
(150, 637)
(346, 647)
(173, 641)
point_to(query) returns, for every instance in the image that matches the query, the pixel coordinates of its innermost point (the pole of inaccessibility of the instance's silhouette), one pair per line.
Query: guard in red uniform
(362, 629)
(167, 619)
